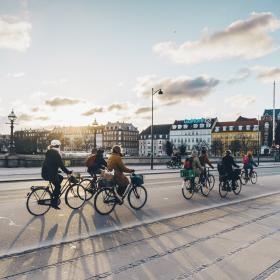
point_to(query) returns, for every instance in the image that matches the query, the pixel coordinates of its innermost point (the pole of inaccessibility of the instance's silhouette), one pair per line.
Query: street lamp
(12, 117)
(94, 124)
(159, 91)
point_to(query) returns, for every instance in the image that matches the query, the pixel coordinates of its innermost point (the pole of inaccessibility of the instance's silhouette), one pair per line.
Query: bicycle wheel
(75, 196)
(137, 197)
(211, 180)
(104, 201)
(205, 188)
(254, 177)
(39, 201)
(187, 190)
(238, 186)
(223, 189)
(243, 178)
(90, 188)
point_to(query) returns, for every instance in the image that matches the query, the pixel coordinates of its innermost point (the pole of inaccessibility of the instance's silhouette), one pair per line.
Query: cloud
(240, 101)
(247, 39)
(62, 101)
(35, 109)
(93, 111)
(16, 75)
(241, 76)
(177, 89)
(57, 82)
(267, 74)
(143, 110)
(14, 34)
(117, 106)
(28, 118)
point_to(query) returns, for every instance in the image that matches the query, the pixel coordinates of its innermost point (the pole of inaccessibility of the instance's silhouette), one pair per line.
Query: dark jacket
(51, 164)
(228, 162)
(100, 163)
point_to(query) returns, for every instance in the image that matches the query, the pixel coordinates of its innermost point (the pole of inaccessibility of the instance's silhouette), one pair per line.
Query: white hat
(55, 142)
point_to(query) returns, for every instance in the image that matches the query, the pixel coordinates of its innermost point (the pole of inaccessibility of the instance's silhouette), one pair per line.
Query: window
(217, 129)
(240, 127)
(224, 128)
(231, 128)
(248, 127)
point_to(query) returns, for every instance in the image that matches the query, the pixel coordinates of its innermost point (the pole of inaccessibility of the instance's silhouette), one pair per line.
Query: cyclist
(203, 161)
(196, 166)
(249, 164)
(51, 164)
(228, 163)
(96, 162)
(115, 163)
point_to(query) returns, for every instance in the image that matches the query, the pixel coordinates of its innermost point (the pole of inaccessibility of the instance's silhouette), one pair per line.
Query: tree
(217, 147)
(169, 148)
(182, 149)
(235, 146)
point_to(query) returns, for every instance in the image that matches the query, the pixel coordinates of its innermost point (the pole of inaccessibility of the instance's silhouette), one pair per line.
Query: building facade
(239, 136)
(266, 129)
(31, 140)
(80, 138)
(192, 133)
(4, 143)
(161, 136)
(122, 134)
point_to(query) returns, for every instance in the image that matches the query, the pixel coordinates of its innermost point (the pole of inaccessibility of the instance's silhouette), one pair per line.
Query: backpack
(245, 160)
(90, 161)
(188, 163)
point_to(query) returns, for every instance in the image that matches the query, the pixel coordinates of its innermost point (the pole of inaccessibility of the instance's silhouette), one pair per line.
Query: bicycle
(252, 176)
(91, 186)
(190, 186)
(40, 198)
(105, 199)
(225, 185)
(209, 177)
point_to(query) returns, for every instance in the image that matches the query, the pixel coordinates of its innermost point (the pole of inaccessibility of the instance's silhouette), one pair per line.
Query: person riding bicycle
(51, 164)
(196, 166)
(228, 163)
(203, 161)
(115, 163)
(95, 162)
(248, 164)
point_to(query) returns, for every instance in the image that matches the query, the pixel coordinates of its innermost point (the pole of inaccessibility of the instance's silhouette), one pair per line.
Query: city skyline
(101, 60)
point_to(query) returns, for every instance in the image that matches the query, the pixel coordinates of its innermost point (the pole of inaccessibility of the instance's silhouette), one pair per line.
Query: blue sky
(68, 62)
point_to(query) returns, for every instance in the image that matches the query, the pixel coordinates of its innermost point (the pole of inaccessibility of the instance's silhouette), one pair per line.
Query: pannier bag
(137, 179)
(90, 161)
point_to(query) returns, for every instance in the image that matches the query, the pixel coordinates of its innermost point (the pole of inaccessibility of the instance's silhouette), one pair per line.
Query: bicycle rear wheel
(187, 190)
(238, 186)
(243, 178)
(205, 188)
(137, 197)
(39, 201)
(75, 196)
(254, 177)
(223, 189)
(105, 201)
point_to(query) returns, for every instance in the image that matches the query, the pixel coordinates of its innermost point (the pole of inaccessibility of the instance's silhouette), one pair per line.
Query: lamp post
(159, 91)
(258, 140)
(12, 117)
(94, 124)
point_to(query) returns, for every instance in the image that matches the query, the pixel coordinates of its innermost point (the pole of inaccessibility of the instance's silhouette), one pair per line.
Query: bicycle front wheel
(105, 201)
(187, 190)
(89, 187)
(211, 180)
(254, 177)
(75, 196)
(39, 201)
(205, 188)
(137, 197)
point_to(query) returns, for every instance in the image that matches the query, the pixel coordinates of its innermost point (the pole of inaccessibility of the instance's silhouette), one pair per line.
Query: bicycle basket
(137, 179)
(187, 173)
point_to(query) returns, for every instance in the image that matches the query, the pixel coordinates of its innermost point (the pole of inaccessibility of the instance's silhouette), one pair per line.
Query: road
(171, 238)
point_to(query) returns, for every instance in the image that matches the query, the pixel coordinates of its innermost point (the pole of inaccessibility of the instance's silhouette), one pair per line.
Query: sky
(67, 63)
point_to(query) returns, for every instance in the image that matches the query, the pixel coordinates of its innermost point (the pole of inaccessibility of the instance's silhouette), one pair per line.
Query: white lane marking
(11, 222)
(165, 198)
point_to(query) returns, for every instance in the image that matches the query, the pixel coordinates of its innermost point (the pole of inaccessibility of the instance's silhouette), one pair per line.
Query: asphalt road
(21, 234)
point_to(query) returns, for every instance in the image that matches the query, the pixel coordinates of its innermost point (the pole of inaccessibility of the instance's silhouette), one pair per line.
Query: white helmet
(55, 143)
